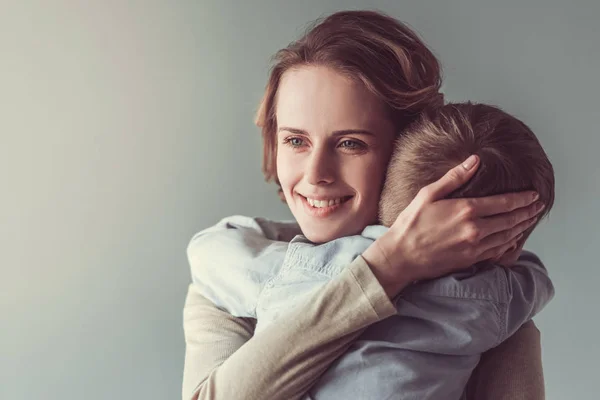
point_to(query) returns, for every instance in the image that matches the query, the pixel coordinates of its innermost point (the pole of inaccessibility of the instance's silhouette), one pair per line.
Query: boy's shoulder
(252, 226)
(478, 282)
(484, 281)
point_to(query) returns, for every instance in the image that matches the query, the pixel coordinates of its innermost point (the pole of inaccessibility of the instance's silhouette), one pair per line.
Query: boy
(430, 348)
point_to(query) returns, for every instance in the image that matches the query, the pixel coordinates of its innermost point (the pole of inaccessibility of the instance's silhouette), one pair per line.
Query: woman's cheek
(285, 172)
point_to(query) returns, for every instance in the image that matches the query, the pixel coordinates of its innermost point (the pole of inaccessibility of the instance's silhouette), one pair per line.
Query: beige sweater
(223, 360)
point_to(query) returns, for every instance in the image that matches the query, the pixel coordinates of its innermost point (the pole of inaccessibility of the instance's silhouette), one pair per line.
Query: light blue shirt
(253, 267)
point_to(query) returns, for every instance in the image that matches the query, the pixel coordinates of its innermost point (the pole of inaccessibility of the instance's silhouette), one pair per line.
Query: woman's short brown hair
(511, 157)
(371, 47)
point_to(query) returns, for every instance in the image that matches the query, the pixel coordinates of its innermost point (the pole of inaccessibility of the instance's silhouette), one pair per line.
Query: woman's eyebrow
(334, 133)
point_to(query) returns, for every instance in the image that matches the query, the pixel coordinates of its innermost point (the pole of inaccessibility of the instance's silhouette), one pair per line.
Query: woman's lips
(322, 212)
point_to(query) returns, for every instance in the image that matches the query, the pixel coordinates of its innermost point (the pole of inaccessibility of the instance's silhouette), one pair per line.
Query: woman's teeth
(324, 203)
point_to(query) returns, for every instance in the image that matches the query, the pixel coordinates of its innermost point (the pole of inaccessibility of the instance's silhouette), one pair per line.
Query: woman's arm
(224, 361)
(211, 336)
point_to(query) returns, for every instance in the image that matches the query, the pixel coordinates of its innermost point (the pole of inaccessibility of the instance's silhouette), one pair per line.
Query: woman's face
(334, 141)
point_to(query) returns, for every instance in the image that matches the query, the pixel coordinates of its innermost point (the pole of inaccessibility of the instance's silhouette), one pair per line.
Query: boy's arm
(224, 361)
(231, 261)
(528, 289)
(470, 312)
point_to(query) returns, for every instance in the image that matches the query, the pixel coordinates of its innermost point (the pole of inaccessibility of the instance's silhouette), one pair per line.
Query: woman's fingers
(495, 253)
(501, 203)
(504, 222)
(505, 237)
(452, 180)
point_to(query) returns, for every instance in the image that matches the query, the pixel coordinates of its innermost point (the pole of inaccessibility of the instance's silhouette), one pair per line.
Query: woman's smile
(324, 208)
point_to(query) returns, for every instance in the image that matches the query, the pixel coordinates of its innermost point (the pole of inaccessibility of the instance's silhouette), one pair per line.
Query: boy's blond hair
(512, 158)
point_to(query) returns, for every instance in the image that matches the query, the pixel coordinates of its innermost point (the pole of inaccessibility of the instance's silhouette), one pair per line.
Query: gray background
(125, 127)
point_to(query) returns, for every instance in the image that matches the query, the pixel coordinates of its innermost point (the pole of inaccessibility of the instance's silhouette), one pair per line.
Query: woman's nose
(320, 169)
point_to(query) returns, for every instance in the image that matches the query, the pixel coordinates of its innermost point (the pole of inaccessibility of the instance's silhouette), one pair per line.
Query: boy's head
(512, 158)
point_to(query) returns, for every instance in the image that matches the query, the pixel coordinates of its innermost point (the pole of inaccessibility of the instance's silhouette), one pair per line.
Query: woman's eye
(294, 141)
(351, 144)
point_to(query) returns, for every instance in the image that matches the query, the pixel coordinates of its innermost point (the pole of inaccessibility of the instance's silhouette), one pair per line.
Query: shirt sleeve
(528, 289)
(472, 311)
(231, 261)
(224, 361)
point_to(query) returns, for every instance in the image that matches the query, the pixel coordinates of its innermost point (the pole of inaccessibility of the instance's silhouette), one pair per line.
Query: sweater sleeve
(223, 360)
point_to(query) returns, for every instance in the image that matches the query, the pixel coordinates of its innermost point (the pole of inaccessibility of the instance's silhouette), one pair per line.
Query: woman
(333, 106)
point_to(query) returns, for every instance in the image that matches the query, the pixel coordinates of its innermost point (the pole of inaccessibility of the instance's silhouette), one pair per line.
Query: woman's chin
(325, 232)
(319, 237)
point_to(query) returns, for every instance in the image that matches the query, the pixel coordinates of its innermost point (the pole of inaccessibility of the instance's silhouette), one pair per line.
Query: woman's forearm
(391, 275)
(283, 362)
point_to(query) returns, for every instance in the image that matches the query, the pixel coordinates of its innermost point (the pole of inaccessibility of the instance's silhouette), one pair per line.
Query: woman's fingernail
(519, 236)
(535, 196)
(540, 206)
(469, 162)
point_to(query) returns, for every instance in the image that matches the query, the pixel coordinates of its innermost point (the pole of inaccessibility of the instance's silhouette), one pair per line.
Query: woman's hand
(434, 236)
(510, 256)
